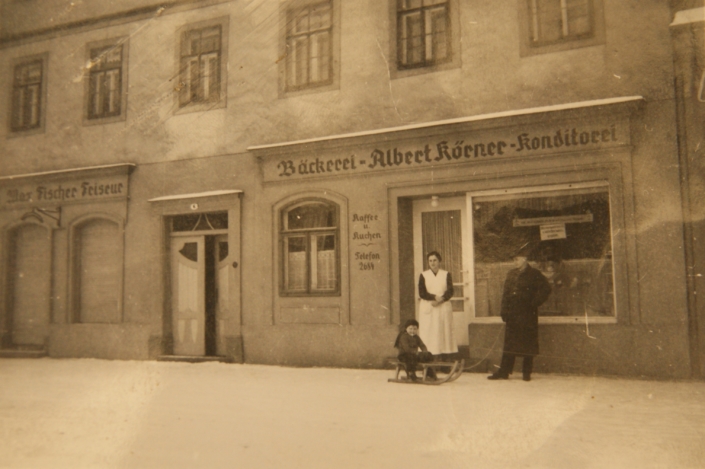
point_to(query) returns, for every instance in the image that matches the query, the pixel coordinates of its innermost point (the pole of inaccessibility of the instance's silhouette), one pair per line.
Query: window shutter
(99, 266)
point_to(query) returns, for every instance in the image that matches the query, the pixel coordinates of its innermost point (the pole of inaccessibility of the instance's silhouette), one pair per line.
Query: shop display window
(423, 33)
(570, 239)
(309, 46)
(310, 254)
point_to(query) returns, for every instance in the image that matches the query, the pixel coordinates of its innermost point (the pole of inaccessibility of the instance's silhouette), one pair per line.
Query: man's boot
(526, 367)
(505, 368)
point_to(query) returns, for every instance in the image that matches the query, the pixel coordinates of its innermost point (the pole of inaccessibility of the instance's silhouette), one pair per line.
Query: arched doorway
(29, 284)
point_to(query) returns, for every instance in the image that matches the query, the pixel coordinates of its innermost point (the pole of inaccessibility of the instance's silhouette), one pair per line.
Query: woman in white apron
(435, 310)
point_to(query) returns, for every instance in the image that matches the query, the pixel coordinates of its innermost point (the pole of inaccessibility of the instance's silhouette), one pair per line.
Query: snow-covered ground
(129, 414)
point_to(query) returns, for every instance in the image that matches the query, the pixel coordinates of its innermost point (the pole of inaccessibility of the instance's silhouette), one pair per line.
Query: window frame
(288, 10)
(402, 14)
(88, 119)
(529, 47)
(199, 106)
(41, 104)
(453, 59)
(284, 234)
(616, 249)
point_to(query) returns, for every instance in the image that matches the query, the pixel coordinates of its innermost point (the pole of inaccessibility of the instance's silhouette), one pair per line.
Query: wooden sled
(456, 369)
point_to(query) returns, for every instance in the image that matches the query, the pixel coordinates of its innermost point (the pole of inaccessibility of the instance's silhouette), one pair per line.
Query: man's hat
(525, 250)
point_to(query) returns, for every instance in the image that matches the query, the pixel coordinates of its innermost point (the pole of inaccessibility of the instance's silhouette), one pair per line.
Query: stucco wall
(493, 77)
(180, 153)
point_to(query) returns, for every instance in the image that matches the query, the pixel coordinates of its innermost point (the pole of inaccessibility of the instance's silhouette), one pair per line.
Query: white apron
(436, 322)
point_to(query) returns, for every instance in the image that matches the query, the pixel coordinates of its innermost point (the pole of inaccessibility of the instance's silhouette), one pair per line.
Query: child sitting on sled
(408, 342)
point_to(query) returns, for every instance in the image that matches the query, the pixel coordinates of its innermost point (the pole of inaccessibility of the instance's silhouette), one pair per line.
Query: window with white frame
(569, 234)
(560, 20)
(309, 45)
(105, 80)
(28, 94)
(201, 64)
(423, 33)
(309, 246)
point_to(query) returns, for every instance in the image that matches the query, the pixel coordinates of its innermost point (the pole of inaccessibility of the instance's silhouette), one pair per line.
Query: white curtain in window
(296, 271)
(325, 270)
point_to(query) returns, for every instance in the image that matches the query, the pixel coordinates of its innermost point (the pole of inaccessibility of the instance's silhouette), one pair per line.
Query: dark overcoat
(524, 291)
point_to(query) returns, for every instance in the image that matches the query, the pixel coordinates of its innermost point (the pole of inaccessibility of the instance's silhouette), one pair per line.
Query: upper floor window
(551, 25)
(555, 20)
(309, 240)
(309, 45)
(423, 32)
(28, 90)
(202, 59)
(106, 78)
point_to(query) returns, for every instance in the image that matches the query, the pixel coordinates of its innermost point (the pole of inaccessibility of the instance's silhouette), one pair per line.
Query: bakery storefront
(350, 249)
(62, 262)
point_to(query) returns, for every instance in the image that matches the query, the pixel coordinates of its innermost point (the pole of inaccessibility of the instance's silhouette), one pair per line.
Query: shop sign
(63, 192)
(563, 219)
(553, 231)
(454, 148)
(366, 238)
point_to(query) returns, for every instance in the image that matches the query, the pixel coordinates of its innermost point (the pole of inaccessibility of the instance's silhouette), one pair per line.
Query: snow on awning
(694, 15)
(460, 120)
(128, 166)
(196, 195)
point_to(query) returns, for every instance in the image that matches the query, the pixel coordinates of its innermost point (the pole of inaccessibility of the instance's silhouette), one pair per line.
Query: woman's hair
(434, 253)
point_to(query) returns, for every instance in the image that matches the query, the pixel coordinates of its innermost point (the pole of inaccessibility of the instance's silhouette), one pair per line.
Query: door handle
(235, 264)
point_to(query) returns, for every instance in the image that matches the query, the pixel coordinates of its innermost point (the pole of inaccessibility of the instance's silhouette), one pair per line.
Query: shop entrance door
(440, 224)
(29, 285)
(200, 292)
(188, 267)
(220, 292)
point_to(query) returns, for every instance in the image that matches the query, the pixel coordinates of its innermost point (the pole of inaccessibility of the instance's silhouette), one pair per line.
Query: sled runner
(456, 369)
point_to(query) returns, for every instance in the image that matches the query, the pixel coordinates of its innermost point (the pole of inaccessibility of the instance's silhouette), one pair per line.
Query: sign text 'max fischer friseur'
(453, 149)
(63, 192)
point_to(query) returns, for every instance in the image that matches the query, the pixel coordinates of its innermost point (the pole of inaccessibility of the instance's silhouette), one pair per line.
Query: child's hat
(411, 322)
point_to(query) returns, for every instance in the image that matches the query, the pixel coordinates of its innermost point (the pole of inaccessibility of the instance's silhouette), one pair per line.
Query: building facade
(261, 181)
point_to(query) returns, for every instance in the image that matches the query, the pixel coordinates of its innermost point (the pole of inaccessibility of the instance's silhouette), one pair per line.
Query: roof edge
(196, 195)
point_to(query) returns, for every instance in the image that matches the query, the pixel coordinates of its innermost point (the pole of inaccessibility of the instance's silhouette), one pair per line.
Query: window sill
(309, 295)
(103, 120)
(25, 133)
(284, 93)
(200, 107)
(579, 320)
(397, 72)
(529, 51)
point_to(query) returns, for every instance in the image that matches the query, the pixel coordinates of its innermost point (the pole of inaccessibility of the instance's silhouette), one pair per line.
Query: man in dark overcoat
(525, 289)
